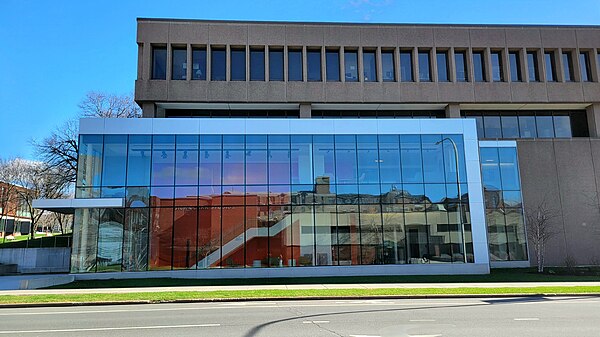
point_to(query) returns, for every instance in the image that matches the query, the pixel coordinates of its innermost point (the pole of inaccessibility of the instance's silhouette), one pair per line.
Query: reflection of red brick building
(14, 215)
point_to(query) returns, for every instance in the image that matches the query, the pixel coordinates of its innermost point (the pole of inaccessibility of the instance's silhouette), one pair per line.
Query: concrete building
(343, 149)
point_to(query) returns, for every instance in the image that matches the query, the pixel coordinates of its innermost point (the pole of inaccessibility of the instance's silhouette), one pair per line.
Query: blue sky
(53, 52)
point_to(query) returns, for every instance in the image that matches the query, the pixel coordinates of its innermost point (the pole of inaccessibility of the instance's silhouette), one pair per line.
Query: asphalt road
(531, 317)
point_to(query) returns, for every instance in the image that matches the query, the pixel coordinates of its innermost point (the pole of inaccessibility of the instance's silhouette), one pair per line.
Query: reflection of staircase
(238, 241)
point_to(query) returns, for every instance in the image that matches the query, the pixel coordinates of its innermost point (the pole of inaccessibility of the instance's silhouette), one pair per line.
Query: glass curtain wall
(252, 201)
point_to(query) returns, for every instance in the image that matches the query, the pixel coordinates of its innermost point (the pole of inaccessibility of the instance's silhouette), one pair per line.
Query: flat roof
(460, 25)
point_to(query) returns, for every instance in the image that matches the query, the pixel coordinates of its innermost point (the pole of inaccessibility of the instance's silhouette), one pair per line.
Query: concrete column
(188, 70)
(378, 65)
(505, 68)
(593, 119)
(487, 65)
(523, 65)
(305, 110)
(469, 65)
(594, 66)
(451, 64)
(433, 73)
(342, 65)
(169, 61)
(415, 69)
(397, 64)
(359, 64)
(227, 63)
(453, 110)
(148, 110)
(267, 62)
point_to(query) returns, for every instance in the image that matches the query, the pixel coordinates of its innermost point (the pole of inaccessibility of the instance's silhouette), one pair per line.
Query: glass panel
(135, 239)
(333, 65)
(584, 64)
(562, 126)
(490, 169)
(532, 66)
(233, 236)
(256, 159)
(110, 240)
(497, 67)
(527, 127)
(115, 160)
(450, 158)
(137, 197)
(186, 167)
(138, 160)
(257, 65)
(179, 64)
(351, 65)
(198, 63)
(417, 233)
(257, 245)
(497, 239)
(442, 66)
(324, 163)
(515, 67)
(510, 127)
(280, 236)
(478, 67)
(85, 240)
(163, 160)
(433, 159)
(275, 64)
(369, 66)
(345, 158)
(424, 68)
(567, 67)
(461, 66)
(209, 237)
(162, 196)
(388, 66)
(210, 160)
(313, 64)
(238, 64)
(389, 159)
(303, 236)
(406, 74)
(550, 67)
(159, 63)
(279, 159)
(509, 168)
(545, 127)
(294, 65)
(233, 159)
(184, 237)
(579, 127)
(368, 159)
(89, 166)
(217, 64)
(113, 192)
(326, 238)
(302, 159)
(394, 242)
(516, 234)
(411, 160)
(348, 235)
(492, 126)
(161, 235)
(371, 234)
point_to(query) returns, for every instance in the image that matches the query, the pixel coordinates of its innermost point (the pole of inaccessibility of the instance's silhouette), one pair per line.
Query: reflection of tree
(540, 229)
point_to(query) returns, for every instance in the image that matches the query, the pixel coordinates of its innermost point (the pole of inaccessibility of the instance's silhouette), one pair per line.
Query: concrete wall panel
(234, 34)
(452, 37)
(528, 92)
(415, 37)
(228, 91)
(153, 32)
(492, 92)
(185, 32)
(523, 37)
(558, 38)
(487, 38)
(377, 36)
(338, 92)
(564, 92)
(267, 92)
(273, 35)
(342, 36)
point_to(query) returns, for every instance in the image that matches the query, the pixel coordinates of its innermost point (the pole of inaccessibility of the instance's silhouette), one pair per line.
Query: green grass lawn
(497, 275)
(167, 296)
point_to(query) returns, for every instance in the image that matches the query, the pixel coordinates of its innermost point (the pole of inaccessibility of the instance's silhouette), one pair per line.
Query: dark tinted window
(562, 125)
(545, 126)
(497, 75)
(159, 63)
(406, 73)
(275, 64)
(179, 64)
(584, 64)
(351, 65)
(295, 65)
(332, 59)
(510, 127)
(199, 64)
(313, 64)
(567, 66)
(257, 65)
(461, 66)
(217, 64)
(478, 67)
(532, 66)
(550, 66)
(442, 66)
(424, 68)
(492, 126)
(387, 66)
(527, 127)
(238, 64)
(369, 66)
(515, 67)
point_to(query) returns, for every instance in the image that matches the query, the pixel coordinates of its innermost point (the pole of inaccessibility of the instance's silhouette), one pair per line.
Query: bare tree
(540, 229)
(101, 105)
(8, 195)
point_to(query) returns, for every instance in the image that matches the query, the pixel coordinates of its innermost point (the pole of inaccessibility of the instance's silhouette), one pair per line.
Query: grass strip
(167, 296)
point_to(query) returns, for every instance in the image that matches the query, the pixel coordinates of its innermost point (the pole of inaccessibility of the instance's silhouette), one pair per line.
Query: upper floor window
(217, 64)
(515, 66)
(424, 67)
(567, 66)
(238, 64)
(497, 74)
(351, 65)
(388, 66)
(332, 64)
(442, 66)
(369, 66)
(294, 64)
(406, 66)
(257, 64)
(584, 64)
(159, 63)
(179, 63)
(198, 63)
(550, 66)
(275, 64)
(313, 64)
(532, 66)
(478, 67)
(460, 62)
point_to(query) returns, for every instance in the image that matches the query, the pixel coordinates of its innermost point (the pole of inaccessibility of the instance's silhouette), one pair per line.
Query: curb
(303, 298)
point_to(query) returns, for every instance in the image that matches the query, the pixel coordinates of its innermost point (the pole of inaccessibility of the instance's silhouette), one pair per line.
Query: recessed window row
(530, 124)
(197, 113)
(377, 114)
(353, 64)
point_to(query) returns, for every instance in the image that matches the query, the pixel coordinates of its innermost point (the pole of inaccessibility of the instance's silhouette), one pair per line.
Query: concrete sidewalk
(299, 287)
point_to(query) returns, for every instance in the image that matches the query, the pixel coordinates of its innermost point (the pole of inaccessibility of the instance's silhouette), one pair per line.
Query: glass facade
(507, 237)
(250, 201)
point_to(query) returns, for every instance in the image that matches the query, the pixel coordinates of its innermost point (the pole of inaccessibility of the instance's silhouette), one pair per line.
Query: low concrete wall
(37, 260)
